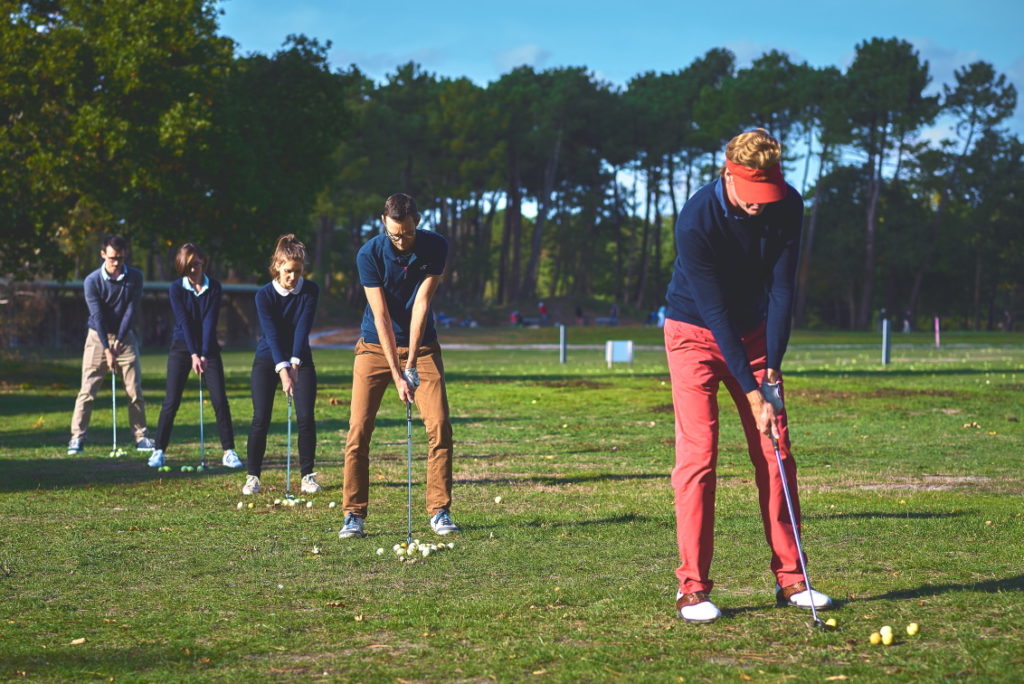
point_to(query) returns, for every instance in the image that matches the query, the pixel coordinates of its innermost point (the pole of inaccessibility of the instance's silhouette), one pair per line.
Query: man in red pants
(728, 321)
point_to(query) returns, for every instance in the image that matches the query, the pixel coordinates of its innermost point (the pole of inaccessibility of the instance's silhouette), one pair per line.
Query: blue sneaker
(442, 523)
(76, 446)
(145, 444)
(156, 460)
(353, 527)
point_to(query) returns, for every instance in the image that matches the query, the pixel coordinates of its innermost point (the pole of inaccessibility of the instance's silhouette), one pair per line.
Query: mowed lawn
(910, 479)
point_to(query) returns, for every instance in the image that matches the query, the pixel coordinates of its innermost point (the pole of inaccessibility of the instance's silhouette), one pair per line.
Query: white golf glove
(771, 391)
(412, 377)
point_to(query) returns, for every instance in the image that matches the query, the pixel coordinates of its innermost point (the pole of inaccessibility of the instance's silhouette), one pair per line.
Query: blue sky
(618, 40)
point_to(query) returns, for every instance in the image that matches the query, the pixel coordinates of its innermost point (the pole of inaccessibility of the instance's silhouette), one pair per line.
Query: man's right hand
(764, 414)
(197, 365)
(111, 357)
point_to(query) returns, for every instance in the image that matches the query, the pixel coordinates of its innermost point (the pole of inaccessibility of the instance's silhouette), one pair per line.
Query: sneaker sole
(351, 535)
(698, 622)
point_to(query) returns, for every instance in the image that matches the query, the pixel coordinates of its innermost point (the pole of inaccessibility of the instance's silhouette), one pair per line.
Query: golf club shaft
(796, 526)
(202, 432)
(408, 423)
(288, 468)
(113, 406)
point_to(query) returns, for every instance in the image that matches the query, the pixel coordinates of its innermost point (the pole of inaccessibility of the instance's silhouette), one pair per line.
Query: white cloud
(377, 65)
(529, 54)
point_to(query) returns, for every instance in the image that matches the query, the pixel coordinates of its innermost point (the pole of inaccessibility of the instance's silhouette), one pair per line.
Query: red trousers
(697, 366)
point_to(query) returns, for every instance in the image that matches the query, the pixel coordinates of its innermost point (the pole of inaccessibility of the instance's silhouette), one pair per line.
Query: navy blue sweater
(195, 318)
(285, 322)
(733, 273)
(112, 303)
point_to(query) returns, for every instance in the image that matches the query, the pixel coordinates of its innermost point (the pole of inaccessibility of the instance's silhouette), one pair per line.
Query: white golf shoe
(800, 596)
(156, 459)
(231, 459)
(251, 486)
(696, 607)
(309, 484)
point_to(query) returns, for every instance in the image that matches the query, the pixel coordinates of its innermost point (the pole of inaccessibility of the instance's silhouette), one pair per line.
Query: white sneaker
(442, 523)
(696, 607)
(252, 485)
(800, 596)
(156, 459)
(231, 459)
(353, 527)
(309, 484)
(76, 446)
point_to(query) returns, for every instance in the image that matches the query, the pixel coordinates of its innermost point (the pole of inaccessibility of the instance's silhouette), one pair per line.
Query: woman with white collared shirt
(195, 302)
(286, 307)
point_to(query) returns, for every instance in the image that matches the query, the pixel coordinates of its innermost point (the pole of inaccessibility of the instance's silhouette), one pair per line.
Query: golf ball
(425, 551)
(887, 639)
(886, 629)
(380, 551)
(497, 499)
(831, 622)
(410, 551)
(280, 586)
(316, 550)
(913, 628)
(309, 504)
(332, 504)
(184, 469)
(277, 502)
(200, 468)
(875, 638)
(240, 505)
(252, 505)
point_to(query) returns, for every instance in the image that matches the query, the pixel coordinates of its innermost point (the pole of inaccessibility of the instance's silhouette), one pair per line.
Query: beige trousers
(94, 370)
(371, 375)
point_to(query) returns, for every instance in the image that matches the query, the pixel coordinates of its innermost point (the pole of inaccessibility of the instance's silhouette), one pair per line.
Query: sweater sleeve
(93, 298)
(211, 313)
(134, 294)
(176, 294)
(268, 327)
(699, 264)
(304, 324)
(781, 287)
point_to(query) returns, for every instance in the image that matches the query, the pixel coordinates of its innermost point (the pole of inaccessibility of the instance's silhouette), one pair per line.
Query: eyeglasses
(398, 237)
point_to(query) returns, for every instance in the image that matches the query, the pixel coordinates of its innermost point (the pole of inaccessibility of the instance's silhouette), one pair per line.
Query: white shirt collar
(187, 284)
(283, 292)
(120, 276)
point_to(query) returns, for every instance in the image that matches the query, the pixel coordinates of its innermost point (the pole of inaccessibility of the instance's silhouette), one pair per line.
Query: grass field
(910, 480)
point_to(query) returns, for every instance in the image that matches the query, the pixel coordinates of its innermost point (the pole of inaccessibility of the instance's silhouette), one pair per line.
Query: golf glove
(772, 393)
(412, 377)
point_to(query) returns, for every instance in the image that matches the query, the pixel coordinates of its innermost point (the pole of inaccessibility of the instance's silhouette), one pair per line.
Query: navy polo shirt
(734, 273)
(400, 276)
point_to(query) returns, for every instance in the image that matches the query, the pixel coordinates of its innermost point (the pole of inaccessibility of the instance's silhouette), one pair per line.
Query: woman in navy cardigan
(286, 307)
(195, 301)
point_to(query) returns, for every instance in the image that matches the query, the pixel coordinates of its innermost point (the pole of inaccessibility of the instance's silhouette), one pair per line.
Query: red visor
(757, 186)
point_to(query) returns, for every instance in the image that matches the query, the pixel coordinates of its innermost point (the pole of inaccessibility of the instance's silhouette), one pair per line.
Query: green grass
(909, 516)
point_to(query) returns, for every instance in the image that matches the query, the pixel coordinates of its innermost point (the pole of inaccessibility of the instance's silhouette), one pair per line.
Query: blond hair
(288, 249)
(755, 149)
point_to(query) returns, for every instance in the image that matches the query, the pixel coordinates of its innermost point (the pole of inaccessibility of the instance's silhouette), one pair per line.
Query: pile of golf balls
(118, 453)
(885, 636)
(416, 551)
(292, 503)
(164, 469)
(187, 469)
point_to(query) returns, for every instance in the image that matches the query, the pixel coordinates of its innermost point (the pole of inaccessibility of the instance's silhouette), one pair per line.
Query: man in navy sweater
(112, 293)
(728, 321)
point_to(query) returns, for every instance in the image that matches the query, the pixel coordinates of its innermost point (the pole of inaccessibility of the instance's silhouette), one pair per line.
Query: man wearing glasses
(400, 271)
(112, 293)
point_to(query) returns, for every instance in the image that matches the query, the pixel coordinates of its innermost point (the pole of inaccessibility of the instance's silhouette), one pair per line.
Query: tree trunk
(807, 249)
(641, 280)
(550, 169)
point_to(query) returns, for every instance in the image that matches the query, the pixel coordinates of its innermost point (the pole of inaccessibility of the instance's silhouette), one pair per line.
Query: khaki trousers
(371, 375)
(94, 370)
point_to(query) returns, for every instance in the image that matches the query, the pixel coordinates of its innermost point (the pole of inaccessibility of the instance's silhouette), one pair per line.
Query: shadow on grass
(896, 516)
(995, 586)
(78, 471)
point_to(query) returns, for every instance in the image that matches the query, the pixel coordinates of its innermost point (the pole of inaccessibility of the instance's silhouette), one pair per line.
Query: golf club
(202, 433)
(288, 467)
(408, 423)
(796, 531)
(113, 410)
